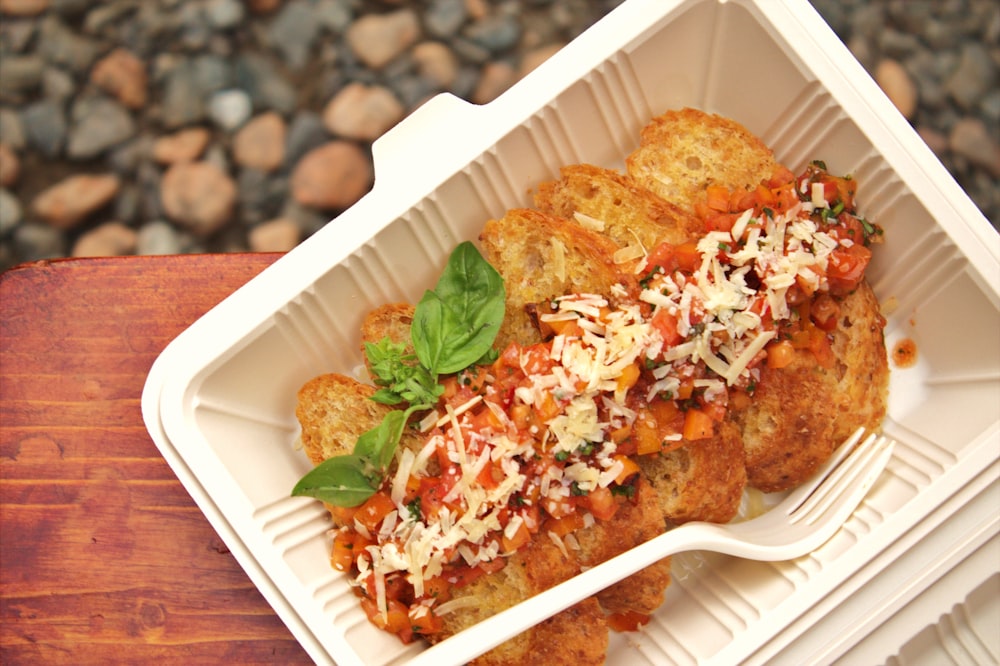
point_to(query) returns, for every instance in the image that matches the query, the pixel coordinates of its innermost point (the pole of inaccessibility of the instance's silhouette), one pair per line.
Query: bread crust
(803, 411)
(523, 247)
(682, 152)
(630, 213)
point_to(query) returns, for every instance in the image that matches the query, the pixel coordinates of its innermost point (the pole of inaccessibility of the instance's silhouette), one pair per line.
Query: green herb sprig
(454, 327)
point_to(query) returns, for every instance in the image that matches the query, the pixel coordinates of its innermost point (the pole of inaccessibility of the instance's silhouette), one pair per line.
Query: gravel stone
(99, 124)
(229, 109)
(11, 211)
(45, 127)
(67, 203)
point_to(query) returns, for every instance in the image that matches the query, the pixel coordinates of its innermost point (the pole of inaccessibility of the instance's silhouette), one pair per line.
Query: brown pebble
(260, 143)
(495, 78)
(263, 6)
(332, 176)
(124, 76)
(10, 166)
(112, 239)
(362, 112)
(536, 57)
(277, 235)
(198, 195)
(23, 7)
(436, 63)
(896, 83)
(970, 139)
(377, 39)
(185, 145)
(70, 201)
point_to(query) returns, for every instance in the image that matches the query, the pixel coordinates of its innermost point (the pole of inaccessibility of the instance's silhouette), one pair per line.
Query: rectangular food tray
(219, 402)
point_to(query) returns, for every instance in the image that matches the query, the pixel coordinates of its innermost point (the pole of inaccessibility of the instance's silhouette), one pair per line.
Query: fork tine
(850, 483)
(804, 491)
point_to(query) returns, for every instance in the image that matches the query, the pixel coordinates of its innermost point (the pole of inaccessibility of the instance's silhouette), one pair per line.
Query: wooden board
(104, 557)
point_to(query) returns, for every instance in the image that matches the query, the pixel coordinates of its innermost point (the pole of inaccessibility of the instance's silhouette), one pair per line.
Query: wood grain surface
(104, 557)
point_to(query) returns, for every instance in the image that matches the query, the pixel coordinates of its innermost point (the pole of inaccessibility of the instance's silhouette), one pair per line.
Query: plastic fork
(806, 519)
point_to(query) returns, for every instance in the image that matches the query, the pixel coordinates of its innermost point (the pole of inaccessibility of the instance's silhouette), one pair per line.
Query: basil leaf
(341, 480)
(455, 325)
(378, 445)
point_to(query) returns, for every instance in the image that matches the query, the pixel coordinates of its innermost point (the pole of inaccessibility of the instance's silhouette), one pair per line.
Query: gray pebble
(98, 124)
(57, 84)
(224, 14)
(976, 73)
(12, 129)
(10, 211)
(159, 237)
(267, 88)
(45, 127)
(334, 15)
(293, 32)
(495, 33)
(212, 73)
(443, 18)
(182, 97)
(305, 132)
(60, 45)
(21, 74)
(33, 241)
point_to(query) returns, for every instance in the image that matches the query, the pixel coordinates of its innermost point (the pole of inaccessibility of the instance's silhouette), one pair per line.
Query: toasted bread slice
(702, 480)
(683, 152)
(635, 522)
(614, 204)
(388, 321)
(540, 257)
(803, 411)
(578, 635)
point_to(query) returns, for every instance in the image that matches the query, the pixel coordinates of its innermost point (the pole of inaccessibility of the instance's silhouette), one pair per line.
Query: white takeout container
(219, 402)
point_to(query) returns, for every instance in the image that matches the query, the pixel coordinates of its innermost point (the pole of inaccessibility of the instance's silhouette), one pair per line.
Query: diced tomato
(663, 257)
(536, 359)
(824, 312)
(343, 552)
(565, 525)
(344, 515)
(666, 325)
(568, 327)
(780, 354)
(629, 467)
(374, 510)
(395, 620)
(601, 503)
(687, 256)
(628, 378)
(519, 539)
(460, 575)
(717, 197)
(646, 434)
(720, 221)
(627, 621)
(424, 621)
(559, 507)
(697, 425)
(433, 490)
(819, 345)
(846, 268)
(489, 476)
(437, 588)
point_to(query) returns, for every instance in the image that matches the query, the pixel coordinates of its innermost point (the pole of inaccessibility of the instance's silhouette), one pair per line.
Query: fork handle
(496, 629)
